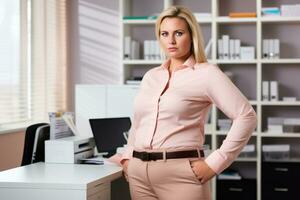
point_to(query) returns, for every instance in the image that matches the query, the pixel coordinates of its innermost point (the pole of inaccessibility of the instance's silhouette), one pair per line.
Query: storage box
(247, 53)
(248, 151)
(276, 152)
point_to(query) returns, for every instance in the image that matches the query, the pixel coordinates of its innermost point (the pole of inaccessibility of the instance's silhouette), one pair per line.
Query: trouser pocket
(190, 171)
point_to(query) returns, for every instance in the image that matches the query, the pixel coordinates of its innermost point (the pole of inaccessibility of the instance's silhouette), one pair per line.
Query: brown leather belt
(147, 156)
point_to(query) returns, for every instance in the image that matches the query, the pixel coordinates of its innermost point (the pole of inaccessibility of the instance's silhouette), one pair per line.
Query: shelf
(248, 74)
(204, 20)
(283, 135)
(236, 61)
(236, 20)
(281, 61)
(280, 103)
(280, 19)
(139, 21)
(297, 160)
(152, 21)
(218, 61)
(142, 62)
(240, 159)
(223, 133)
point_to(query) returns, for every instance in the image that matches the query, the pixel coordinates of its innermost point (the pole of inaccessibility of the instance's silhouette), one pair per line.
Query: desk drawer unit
(236, 189)
(51, 181)
(280, 180)
(99, 192)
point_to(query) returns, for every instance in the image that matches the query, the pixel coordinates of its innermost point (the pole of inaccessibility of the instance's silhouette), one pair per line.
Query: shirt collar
(190, 62)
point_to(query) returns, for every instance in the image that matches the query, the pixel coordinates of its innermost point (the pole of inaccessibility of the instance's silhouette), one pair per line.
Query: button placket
(157, 104)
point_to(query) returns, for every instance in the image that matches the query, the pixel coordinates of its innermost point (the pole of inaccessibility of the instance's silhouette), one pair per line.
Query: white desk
(58, 181)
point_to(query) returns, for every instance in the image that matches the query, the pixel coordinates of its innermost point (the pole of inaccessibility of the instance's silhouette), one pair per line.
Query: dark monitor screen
(108, 133)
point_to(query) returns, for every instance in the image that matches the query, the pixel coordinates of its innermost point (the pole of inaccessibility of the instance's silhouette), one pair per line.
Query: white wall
(94, 43)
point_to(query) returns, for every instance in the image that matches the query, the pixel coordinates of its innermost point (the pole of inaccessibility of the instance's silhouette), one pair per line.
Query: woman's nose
(172, 40)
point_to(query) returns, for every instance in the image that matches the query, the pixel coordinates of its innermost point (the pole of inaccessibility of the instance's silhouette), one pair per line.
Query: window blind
(33, 60)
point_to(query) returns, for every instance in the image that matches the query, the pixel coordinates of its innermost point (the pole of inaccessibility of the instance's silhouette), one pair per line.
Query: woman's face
(175, 38)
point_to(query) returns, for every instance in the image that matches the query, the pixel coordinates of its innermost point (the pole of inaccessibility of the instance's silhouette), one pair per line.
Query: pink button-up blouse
(175, 118)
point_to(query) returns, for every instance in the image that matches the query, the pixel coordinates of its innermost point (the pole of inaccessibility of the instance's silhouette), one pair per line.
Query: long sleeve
(129, 147)
(227, 97)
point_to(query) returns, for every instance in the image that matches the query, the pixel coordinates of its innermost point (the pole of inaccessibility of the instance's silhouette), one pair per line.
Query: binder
(276, 48)
(146, 49)
(231, 49)
(135, 49)
(152, 50)
(237, 48)
(225, 46)
(271, 48)
(220, 48)
(274, 90)
(265, 48)
(127, 49)
(265, 91)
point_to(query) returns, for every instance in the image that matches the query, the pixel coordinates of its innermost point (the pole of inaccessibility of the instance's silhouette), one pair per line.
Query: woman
(164, 152)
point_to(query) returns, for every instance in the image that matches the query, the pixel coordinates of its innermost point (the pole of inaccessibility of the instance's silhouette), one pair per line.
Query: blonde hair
(181, 12)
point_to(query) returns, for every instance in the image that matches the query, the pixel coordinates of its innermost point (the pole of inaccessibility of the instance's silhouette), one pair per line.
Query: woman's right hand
(125, 166)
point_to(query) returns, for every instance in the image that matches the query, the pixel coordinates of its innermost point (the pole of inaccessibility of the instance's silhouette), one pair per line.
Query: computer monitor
(109, 133)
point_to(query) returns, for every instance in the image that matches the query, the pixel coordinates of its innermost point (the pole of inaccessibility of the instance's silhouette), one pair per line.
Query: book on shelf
(242, 14)
(270, 11)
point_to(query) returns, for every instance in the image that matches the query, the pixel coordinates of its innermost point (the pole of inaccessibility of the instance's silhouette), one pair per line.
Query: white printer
(69, 149)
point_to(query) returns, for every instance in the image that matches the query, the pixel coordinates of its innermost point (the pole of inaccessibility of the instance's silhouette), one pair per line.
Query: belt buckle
(145, 156)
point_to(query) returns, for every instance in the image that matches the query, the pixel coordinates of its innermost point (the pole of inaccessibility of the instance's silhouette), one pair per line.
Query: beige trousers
(172, 179)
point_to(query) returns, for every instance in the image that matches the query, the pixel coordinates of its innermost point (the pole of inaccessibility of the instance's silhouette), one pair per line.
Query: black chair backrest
(42, 134)
(29, 142)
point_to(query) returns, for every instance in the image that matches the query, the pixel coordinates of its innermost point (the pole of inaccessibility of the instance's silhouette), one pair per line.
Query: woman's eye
(164, 34)
(179, 33)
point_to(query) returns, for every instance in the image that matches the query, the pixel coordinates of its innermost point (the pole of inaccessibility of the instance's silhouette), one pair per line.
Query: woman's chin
(173, 55)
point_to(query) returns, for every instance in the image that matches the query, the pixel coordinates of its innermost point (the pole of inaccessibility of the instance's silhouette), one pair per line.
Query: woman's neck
(175, 62)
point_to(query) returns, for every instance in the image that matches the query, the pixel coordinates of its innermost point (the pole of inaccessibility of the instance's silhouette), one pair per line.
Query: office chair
(42, 134)
(29, 143)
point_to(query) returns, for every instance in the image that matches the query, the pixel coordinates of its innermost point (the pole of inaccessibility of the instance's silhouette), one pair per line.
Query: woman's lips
(171, 49)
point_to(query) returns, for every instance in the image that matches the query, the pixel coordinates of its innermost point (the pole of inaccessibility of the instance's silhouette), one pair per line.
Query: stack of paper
(98, 160)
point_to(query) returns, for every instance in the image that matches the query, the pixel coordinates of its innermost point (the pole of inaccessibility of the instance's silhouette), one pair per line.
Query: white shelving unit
(249, 73)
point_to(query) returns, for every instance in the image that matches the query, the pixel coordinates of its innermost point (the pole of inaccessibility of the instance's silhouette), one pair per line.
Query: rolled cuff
(216, 162)
(127, 154)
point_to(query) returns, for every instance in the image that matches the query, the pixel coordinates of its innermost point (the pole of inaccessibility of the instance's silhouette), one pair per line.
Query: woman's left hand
(202, 171)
